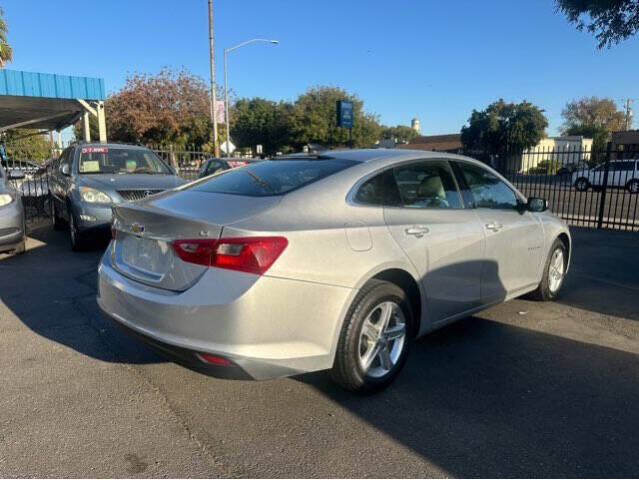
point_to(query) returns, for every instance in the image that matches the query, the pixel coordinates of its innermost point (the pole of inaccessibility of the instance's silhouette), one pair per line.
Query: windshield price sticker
(95, 150)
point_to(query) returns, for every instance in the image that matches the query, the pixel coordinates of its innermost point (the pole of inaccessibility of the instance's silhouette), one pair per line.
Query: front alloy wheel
(554, 272)
(633, 186)
(582, 184)
(375, 338)
(74, 235)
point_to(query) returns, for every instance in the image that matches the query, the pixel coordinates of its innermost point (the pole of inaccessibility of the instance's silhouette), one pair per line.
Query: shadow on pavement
(52, 290)
(604, 276)
(485, 399)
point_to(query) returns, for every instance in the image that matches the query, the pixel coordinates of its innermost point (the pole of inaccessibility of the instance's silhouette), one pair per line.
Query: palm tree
(6, 54)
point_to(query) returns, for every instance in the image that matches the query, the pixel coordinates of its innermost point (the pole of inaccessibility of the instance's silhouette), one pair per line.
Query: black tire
(582, 184)
(633, 186)
(75, 236)
(544, 293)
(347, 370)
(55, 218)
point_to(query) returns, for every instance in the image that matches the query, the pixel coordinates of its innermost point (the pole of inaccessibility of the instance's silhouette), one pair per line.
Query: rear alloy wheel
(375, 338)
(633, 186)
(554, 273)
(582, 184)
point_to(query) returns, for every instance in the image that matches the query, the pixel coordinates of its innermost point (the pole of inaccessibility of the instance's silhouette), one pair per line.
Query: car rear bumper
(266, 327)
(11, 226)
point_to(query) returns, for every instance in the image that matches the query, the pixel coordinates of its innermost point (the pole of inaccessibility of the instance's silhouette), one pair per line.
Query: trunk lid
(142, 248)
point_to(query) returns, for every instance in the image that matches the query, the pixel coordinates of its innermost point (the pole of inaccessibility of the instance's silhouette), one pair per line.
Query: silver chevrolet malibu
(333, 261)
(12, 233)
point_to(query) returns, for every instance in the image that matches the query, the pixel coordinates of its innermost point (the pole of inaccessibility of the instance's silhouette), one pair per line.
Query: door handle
(417, 231)
(494, 226)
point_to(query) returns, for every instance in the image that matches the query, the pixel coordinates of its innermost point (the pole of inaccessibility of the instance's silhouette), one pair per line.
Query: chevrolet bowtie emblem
(137, 228)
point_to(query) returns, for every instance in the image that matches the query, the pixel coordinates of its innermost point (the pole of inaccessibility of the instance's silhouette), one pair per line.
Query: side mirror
(16, 175)
(535, 204)
(64, 169)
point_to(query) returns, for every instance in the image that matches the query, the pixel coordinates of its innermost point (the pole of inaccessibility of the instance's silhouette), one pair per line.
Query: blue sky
(432, 60)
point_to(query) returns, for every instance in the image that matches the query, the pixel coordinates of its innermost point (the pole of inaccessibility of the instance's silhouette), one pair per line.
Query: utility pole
(216, 145)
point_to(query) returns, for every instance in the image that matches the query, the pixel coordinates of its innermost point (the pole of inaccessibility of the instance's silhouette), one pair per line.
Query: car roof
(110, 145)
(369, 155)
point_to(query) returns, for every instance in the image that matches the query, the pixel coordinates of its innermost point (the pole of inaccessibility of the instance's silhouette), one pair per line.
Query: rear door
(442, 239)
(514, 236)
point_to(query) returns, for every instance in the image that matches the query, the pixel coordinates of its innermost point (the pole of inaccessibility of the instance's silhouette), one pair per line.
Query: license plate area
(146, 256)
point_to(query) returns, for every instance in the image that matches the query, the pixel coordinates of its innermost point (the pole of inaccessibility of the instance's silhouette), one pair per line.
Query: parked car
(333, 261)
(12, 231)
(570, 168)
(215, 165)
(90, 178)
(621, 174)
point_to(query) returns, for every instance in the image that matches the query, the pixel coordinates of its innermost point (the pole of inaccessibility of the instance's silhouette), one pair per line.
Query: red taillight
(245, 254)
(214, 359)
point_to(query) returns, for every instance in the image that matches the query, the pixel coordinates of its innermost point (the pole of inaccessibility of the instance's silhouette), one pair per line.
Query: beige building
(569, 149)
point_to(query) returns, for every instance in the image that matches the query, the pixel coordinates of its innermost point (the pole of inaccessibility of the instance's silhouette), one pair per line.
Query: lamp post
(226, 85)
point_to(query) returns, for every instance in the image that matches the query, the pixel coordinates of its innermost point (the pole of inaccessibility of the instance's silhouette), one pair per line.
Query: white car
(621, 173)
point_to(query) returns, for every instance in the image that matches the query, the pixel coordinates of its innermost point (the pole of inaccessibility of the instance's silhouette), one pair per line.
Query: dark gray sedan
(11, 215)
(89, 178)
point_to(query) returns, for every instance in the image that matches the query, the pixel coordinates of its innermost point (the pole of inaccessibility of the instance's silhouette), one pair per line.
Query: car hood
(131, 182)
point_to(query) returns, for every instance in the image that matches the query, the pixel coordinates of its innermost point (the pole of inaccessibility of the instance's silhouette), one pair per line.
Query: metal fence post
(604, 186)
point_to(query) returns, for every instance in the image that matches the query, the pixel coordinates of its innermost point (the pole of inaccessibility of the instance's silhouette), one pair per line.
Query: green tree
(504, 126)
(257, 121)
(314, 120)
(400, 133)
(169, 108)
(6, 53)
(592, 117)
(27, 144)
(611, 21)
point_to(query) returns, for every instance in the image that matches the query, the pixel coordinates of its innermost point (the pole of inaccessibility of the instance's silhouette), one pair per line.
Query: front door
(443, 240)
(514, 237)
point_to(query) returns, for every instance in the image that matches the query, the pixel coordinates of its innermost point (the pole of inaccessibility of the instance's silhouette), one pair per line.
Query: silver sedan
(12, 233)
(334, 261)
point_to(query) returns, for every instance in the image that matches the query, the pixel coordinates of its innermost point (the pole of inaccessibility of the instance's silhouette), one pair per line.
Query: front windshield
(96, 160)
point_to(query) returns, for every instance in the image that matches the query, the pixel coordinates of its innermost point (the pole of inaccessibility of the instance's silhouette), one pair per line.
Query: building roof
(49, 85)
(440, 143)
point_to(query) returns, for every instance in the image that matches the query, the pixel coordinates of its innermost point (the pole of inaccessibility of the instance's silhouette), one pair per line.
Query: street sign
(344, 114)
(224, 148)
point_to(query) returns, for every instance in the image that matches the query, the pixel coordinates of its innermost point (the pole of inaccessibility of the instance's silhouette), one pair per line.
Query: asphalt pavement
(523, 389)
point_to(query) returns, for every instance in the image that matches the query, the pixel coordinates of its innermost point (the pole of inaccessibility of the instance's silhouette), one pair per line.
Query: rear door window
(274, 177)
(427, 184)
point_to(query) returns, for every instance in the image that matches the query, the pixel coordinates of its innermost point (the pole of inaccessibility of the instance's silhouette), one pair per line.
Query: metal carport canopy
(49, 101)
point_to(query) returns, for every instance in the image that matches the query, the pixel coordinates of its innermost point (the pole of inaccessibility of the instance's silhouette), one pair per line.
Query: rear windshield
(94, 160)
(275, 177)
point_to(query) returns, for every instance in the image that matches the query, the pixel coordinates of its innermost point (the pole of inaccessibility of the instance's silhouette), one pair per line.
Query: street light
(226, 85)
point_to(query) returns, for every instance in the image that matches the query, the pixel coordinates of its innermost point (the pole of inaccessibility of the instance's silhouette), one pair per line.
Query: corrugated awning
(45, 101)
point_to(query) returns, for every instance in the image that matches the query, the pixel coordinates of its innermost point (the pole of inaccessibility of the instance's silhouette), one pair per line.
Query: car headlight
(91, 195)
(5, 199)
